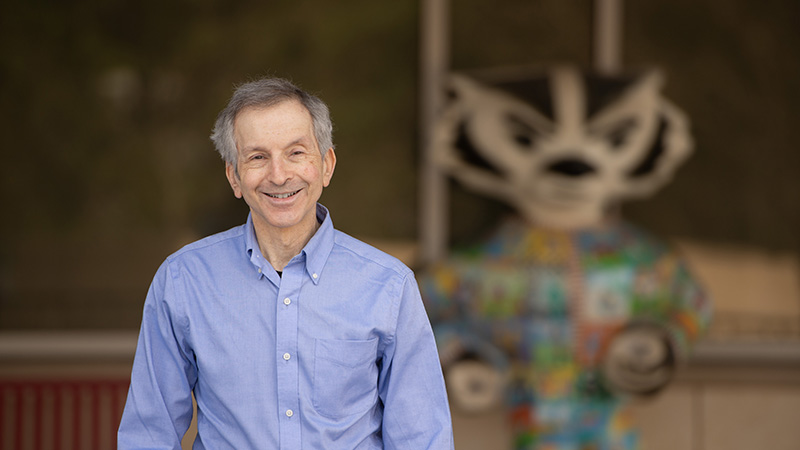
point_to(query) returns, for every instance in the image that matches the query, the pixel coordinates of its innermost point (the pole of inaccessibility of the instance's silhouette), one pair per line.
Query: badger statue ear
(639, 360)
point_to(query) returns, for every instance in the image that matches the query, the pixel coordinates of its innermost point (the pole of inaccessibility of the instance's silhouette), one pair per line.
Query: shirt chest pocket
(345, 376)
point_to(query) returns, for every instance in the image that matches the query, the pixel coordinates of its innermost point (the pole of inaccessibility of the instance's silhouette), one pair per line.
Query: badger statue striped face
(563, 148)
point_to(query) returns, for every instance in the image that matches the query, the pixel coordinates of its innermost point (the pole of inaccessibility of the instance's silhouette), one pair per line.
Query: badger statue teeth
(566, 311)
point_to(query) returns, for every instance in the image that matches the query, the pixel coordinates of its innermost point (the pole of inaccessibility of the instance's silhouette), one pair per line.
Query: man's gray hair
(265, 93)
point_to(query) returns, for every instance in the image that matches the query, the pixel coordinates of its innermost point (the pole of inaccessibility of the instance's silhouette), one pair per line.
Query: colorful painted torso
(542, 304)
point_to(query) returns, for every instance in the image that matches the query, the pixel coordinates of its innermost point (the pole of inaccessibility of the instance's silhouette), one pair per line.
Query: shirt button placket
(287, 355)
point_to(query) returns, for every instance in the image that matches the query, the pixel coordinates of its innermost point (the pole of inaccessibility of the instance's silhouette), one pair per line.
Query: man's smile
(286, 195)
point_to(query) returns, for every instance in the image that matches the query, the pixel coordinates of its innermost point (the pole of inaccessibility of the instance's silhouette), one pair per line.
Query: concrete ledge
(766, 353)
(67, 346)
(121, 345)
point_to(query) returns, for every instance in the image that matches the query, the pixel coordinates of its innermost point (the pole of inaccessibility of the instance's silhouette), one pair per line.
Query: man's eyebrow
(255, 148)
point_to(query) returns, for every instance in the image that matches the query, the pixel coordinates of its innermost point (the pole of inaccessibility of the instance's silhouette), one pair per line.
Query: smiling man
(289, 333)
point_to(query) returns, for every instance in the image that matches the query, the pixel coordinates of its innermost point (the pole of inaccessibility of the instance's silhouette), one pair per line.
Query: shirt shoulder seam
(395, 265)
(206, 242)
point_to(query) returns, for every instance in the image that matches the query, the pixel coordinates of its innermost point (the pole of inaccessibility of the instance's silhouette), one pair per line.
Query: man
(289, 333)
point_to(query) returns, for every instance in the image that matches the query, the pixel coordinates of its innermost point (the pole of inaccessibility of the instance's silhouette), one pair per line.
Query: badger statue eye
(522, 133)
(619, 133)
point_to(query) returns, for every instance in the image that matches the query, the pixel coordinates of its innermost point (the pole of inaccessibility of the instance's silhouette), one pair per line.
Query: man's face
(281, 172)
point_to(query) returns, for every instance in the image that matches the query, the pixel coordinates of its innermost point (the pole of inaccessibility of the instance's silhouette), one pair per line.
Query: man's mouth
(286, 195)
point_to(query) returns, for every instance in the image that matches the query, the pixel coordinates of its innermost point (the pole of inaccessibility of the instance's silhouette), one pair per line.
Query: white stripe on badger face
(569, 101)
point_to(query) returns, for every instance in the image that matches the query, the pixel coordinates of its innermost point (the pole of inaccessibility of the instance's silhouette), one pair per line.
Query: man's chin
(283, 221)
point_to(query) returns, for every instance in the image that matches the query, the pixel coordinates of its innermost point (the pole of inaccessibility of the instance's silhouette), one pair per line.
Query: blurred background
(107, 106)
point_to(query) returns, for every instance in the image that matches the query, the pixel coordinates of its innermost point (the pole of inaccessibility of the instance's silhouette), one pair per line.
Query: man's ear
(233, 179)
(328, 164)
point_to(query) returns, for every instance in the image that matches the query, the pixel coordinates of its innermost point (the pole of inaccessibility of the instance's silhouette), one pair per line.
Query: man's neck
(279, 245)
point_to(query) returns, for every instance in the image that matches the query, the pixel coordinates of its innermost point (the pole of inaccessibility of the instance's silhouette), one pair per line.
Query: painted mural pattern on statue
(543, 304)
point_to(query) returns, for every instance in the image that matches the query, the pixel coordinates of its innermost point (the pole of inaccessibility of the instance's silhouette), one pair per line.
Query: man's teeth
(287, 195)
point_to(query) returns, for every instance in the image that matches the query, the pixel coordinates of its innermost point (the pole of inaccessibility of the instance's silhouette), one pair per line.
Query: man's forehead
(265, 117)
(265, 108)
(251, 134)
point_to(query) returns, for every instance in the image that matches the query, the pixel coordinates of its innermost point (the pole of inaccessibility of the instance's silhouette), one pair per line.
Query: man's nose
(278, 171)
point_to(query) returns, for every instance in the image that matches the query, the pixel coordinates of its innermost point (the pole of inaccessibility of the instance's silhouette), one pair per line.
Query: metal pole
(434, 64)
(607, 45)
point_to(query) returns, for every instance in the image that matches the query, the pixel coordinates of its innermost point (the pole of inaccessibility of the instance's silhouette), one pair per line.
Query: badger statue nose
(571, 168)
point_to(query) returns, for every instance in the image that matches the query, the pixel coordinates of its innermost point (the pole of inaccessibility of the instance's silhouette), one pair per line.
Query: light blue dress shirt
(337, 353)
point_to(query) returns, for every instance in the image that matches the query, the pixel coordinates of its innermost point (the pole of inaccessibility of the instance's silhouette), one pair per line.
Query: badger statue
(566, 311)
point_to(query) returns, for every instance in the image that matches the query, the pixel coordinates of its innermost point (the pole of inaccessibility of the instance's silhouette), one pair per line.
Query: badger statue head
(564, 148)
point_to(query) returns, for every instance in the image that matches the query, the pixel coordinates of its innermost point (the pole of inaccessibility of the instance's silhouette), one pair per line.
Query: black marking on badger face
(536, 92)
(469, 153)
(602, 91)
(650, 162)
(522, 133)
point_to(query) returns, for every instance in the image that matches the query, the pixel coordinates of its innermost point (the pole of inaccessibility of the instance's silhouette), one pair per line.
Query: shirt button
(259, 270)
(314, 276)
(289, 413)
(287, 301)
(286, 356)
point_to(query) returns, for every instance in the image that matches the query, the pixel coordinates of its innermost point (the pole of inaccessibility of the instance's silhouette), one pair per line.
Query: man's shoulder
(211, 246)
(367, 253)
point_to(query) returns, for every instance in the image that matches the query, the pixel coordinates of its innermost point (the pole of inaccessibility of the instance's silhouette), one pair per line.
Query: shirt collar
(319, 247)
(316, 251)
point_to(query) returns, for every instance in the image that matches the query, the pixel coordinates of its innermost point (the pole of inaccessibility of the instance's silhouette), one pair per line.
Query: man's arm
(416, 412)
(159, 406)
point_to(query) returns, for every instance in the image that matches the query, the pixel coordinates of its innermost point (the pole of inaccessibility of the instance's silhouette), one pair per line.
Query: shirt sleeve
(416, 412)
(158, 410)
